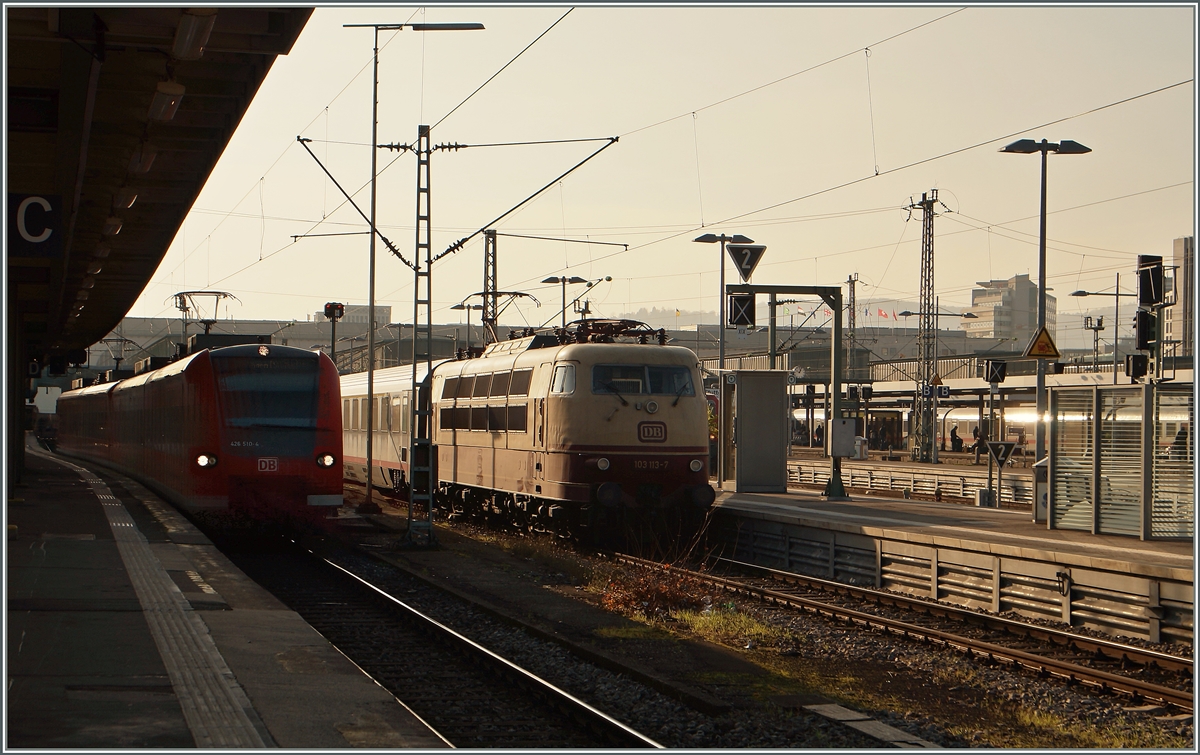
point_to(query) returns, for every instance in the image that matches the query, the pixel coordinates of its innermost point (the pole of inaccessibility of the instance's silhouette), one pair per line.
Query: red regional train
(576, 433)
(252, 429)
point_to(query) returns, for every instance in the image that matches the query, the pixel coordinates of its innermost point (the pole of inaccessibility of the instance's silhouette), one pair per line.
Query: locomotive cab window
(629, 379)
(564, 379)
(449, 388)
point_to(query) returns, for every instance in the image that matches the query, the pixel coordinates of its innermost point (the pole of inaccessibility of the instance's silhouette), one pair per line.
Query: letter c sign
(34, 225)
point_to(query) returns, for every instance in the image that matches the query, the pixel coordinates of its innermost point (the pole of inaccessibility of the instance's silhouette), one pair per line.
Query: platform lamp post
(1028, 147)
(368, 506)
(712, 238)
(564, 280)
(1116, 295)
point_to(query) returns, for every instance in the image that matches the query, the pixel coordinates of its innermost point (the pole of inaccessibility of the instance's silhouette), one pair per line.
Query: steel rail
(1110, 649)
(597, 721)
(1070, 672)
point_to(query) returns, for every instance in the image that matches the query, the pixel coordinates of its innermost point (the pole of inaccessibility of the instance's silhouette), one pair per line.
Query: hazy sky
(808, 129)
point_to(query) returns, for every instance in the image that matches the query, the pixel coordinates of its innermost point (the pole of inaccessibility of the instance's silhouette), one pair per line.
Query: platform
(127, 628)
(986, 558)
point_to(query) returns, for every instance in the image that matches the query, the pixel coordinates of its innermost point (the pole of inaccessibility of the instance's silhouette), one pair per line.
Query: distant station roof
(103, 104)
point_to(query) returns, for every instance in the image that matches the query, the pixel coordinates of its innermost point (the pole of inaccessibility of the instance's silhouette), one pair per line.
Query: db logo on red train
(652, 432)
(268, 464)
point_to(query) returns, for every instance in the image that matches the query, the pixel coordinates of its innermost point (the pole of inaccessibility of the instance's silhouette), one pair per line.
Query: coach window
(346, 414)
(353, 414)
(520, 383)
(564, 379)
(404, 413)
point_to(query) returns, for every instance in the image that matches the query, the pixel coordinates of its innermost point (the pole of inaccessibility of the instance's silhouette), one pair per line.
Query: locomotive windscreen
(641, 378)
(267, 392)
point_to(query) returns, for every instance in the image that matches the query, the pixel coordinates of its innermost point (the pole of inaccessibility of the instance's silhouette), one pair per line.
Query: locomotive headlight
(325, 460)
(696, 465)
(602, 465)
(206, 460)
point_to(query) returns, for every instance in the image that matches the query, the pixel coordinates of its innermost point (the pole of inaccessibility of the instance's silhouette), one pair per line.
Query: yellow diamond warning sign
(1041, 346)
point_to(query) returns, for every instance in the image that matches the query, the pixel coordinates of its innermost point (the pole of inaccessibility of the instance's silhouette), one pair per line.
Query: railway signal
(741, 310)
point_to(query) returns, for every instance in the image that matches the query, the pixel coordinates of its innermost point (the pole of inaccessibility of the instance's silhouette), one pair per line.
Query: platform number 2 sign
(745, 258)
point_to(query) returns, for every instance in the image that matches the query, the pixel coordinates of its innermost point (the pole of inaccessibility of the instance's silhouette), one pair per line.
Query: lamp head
(740, 239)
(576, 279)
(1068, 147)
(551, 279)
(707, 238)
(906, 313)
(1022, 147)
(1080, 293)
(970, 316)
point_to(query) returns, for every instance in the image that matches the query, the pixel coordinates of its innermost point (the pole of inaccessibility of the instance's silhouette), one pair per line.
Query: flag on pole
(893, 314)
(828, 312)
(882, 313)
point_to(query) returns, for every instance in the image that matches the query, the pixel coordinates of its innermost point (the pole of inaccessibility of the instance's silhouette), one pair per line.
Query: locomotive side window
(517, 414)
(479, 418)
(497, 419)
(628, 379)
(500, 383)
(465, 385)
(483, 384)
(520, 383)
(564, 379)
(450, 387)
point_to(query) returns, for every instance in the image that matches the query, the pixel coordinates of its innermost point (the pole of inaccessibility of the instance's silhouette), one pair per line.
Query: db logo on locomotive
(268, 464)
(652, 432)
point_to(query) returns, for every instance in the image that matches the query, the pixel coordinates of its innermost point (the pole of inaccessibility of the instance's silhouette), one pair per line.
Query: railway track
(471, 696)
(991, 638)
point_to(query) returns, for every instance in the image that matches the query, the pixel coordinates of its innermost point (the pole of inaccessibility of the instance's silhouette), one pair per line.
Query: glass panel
(483, 384)
(1071, 481)
(450, 387)
(520, 383)
(618, 378)
(478, 417)
(517, 414)
(500, 383)
(346, 414)
(673, 381)
(465, 384)
(1120, 462)
(260, 392)
(1172, 511)
(564, 379)
(497, 418)
(354, 413)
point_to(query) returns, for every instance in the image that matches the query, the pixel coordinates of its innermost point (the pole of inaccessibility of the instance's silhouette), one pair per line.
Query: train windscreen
(654, 379)
(273, 392)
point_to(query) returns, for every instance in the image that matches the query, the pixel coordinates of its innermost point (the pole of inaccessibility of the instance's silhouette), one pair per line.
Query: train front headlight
(326, 460)
(696, 465)
(602, 465)
(206, 461)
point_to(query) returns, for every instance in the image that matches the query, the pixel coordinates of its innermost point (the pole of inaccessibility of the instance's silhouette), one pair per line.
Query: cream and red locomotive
(582, 433)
